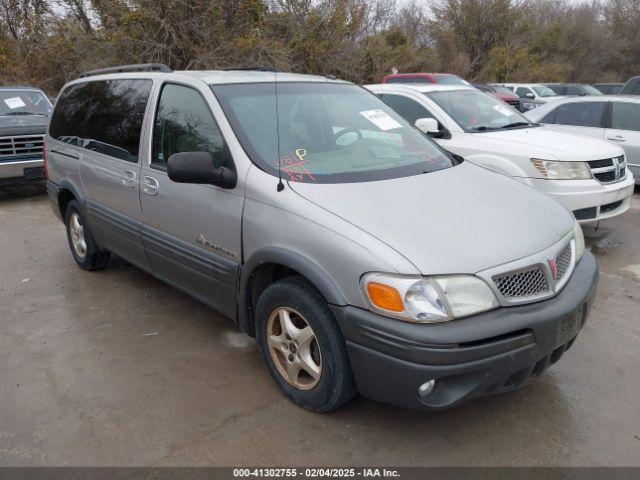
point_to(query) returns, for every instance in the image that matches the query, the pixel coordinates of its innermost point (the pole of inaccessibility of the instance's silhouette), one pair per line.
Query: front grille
(608, 170)
(585, 213)
(23, 146)
(529, 282)
(610, 206)
(563, 261)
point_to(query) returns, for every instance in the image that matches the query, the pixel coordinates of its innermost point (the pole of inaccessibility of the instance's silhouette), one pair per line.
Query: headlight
(427, 299)
(577, 232)
(562, 170)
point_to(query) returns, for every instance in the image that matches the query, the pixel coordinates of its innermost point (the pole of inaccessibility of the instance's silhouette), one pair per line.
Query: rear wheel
(83, 247)
(302, 345)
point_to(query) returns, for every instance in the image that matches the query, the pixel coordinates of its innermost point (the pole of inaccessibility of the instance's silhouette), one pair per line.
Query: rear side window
(184, 123)
(103, 116)
(636, 89)
(625, 116)
(409, 109)
(581, 114)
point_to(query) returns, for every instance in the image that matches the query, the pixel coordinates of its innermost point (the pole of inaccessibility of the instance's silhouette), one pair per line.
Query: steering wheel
(348, 130)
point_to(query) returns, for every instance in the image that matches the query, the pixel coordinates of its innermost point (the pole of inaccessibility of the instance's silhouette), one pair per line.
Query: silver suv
(361, 255)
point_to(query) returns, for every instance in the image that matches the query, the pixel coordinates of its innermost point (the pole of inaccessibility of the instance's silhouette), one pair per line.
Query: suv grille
(24, 146)
(609, 170)
(529, 282)
(563, 261)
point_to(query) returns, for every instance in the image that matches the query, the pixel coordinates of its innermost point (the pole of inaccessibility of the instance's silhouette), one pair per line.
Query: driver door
(191, 233)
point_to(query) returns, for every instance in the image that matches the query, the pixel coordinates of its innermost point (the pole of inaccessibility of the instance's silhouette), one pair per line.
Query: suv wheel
(302, 345)
(83, 247)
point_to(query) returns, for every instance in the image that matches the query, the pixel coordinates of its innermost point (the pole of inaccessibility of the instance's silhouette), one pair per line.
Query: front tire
(83, 247)
(302, 345)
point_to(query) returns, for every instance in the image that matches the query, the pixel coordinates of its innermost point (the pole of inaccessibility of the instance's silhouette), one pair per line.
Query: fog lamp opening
(426, 388)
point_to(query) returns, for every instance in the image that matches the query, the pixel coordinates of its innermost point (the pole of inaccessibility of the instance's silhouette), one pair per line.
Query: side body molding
(296, 261)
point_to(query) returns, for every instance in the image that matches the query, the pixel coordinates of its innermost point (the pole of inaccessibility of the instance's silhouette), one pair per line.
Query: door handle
(150, 186)
(129, 178)
(617, 138)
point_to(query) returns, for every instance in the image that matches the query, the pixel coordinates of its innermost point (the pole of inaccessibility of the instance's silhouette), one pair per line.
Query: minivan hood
(459, 220)
(544, 143)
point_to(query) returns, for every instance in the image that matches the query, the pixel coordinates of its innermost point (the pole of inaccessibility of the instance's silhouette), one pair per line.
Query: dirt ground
(116, 368)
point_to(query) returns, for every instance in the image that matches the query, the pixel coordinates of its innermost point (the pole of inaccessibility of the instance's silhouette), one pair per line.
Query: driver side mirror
(530, 95)
(428, 126)
(199, 167)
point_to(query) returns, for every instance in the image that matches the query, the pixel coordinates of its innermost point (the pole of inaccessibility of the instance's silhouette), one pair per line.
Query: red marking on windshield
(294, 166)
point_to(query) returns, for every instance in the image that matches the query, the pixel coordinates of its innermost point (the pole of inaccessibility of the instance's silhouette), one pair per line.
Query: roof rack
(255, 69)
(141, 67)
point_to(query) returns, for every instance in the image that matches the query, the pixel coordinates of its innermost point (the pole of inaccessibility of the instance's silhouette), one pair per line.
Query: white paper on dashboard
(503, 110)
(15, 102)
(380, 119)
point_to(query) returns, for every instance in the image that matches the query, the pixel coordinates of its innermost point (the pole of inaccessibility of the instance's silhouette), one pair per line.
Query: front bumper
(21, 172)
(492, 352)
(589, 200)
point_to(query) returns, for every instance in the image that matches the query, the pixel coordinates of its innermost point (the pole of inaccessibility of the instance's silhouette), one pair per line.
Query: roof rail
(255, 69)
(141, 67)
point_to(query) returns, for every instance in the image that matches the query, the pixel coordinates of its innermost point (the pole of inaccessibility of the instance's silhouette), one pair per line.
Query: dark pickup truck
(24, 117)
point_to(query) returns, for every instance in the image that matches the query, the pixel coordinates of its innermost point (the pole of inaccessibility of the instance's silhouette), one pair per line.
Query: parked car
(441, 78)
(571, 89)
(632, 87)
(609, 88)
(614, 118)
(24, 115)
(501, 93)
(359, 253)
(532, 95)
(486, 132)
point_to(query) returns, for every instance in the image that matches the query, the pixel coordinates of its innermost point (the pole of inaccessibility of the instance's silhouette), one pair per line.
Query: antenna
(280, 186)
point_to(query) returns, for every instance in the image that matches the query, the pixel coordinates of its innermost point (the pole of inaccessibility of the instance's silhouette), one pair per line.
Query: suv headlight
(529, 105)
(427, 299)
(562, 170)
(579, 237)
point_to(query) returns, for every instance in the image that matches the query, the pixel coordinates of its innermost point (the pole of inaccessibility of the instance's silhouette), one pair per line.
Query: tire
(326, 353)
(83, 247)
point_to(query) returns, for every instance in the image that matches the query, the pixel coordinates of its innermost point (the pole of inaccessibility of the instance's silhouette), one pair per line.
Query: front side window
(24, 102)
(625, 116)
(581, 114)
(104, 116)
(409, 109)
(184, 123)
(326, 133)
(475, 111)
(523, 91)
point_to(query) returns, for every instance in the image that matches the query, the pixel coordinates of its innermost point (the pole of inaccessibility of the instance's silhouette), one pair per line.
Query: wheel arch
(271, 264)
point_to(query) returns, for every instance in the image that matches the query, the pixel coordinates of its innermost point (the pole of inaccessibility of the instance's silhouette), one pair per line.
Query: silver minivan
(362, 256)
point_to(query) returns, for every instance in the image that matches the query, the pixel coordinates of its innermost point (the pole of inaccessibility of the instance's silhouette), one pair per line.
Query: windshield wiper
(484, 128)
(24, 113)
(518, 124)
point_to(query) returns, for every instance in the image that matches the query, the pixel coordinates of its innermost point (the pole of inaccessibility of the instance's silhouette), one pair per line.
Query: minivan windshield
(326, 133)
(475, 111)
(23, 102)
(544, 91)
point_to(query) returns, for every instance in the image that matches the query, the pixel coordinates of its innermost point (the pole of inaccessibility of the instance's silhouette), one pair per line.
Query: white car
(571, 168)
(612, 118)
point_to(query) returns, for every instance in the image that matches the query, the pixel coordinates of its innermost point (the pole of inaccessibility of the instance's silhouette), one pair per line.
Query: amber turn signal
(385, 297)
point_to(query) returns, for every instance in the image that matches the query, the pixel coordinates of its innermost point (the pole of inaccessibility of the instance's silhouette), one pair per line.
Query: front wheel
(302, 345)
